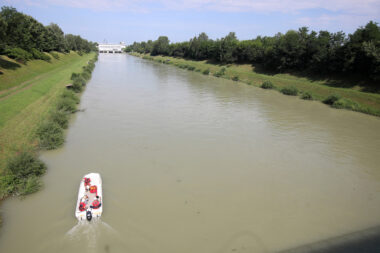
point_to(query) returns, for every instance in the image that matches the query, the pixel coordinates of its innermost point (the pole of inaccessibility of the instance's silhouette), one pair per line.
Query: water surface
(192, 163)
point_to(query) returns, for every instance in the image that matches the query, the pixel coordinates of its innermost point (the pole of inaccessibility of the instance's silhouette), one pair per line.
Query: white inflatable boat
(90, 197)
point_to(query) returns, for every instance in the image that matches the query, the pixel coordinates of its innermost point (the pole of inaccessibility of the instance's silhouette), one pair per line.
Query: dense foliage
(322, 53)
(24, 38)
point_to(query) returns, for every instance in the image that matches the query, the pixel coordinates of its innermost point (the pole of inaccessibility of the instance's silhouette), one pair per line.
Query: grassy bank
(33, 114)
(346, 98)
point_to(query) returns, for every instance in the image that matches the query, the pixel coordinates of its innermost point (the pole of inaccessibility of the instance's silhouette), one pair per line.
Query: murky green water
(198, 164)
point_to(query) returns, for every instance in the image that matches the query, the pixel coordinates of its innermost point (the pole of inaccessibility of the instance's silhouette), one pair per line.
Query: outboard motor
(89, 215)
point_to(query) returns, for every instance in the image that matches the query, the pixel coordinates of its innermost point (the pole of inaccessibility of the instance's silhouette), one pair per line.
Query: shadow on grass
(8, 64)
(336, 81)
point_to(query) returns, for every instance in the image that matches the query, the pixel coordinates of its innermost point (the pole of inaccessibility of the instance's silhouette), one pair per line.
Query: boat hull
(95, 180)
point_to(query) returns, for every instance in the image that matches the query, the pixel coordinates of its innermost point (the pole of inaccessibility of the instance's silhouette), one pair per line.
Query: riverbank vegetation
(23, 38)
(318, 64)
(315, 54)
(36, 63)
(29, 125)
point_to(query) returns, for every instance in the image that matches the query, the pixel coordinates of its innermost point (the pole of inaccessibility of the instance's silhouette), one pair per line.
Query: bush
(206, 72)
(267, 85)
(60, 117)
(330, 100)
(74, 76)
(18, 54)
(30, 185)
(21, 174)
(55, 55)
(86, 75)
(291, 91)
(235, 78)
(50, 135)
(66, 105)
(345, 103)
(24, 165)
(40, 55)
(70, 95)
(192, 68)
(220, 72)
(307, 96)
(80, 53)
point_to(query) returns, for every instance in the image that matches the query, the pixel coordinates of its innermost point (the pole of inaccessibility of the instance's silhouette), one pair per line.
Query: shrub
(192, 68)
(50, 135)
(55, 55)
(74, 76)
(347, 104)
(86, 75)
(198, 70)
(70, 95)
(8, 185)
(59, 117)
(291, 91)
(39, 55)
(66, 105)
(331, 99)
(77, 86)
(30, 185)
(307, 96)
(24, 165)
(235, 78)
(267, 85)
(18, 54)
(21, 174)
(206, 72)
(80, 53)
(220, 72)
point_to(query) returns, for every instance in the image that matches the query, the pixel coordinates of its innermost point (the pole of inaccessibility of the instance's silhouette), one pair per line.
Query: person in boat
(84, 199)
(82, 206)
(87, 181)
(96, 203)
(93, 189)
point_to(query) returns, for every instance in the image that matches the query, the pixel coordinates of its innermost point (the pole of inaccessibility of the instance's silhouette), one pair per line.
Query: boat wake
(91, 235)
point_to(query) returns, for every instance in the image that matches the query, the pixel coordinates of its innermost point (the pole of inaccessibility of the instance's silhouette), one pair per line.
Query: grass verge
(34, 118)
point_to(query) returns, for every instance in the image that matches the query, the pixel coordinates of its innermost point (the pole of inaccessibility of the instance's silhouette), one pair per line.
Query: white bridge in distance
(111, 48)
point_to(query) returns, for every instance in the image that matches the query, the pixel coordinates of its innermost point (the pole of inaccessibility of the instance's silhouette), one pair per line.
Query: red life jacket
(95, 204)
(93, 189)
(82, 206)
(87, 181)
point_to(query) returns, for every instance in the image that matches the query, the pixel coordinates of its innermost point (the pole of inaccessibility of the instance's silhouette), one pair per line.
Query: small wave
(90, 233)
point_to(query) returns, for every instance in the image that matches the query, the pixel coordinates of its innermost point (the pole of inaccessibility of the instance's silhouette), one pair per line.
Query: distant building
(111, 48)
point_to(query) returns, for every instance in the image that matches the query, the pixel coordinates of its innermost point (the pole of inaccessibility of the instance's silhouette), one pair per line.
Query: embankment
(340, 98)
(34, 109)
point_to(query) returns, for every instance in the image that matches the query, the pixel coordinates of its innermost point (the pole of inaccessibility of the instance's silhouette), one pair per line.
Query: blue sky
(140, 20)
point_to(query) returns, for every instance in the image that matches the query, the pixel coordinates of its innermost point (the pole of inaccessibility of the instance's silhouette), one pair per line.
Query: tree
(161, 46)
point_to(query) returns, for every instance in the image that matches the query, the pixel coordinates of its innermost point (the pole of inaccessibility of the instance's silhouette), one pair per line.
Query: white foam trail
(89, 233)
(85, 232)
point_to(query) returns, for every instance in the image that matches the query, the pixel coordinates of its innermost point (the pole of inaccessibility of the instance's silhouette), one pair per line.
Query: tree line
(24, 36)
(319, 53)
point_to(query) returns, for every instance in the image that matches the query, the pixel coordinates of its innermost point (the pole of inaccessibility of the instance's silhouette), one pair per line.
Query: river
(192, 163)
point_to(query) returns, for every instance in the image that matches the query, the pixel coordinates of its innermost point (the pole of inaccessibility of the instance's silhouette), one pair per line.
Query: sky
(127, 21)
